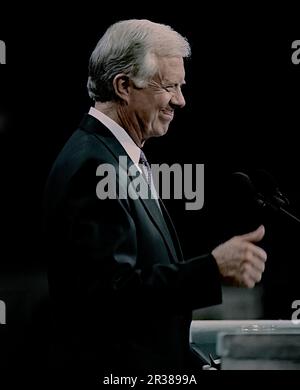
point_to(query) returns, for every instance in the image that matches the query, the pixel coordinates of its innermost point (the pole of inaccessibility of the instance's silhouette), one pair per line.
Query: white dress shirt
(125, 140)
(122, 136)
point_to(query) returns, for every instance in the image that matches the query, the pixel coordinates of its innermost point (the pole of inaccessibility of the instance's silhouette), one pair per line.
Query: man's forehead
(171, 69)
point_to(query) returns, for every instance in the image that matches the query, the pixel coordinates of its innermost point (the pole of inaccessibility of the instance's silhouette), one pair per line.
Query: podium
(249, 344)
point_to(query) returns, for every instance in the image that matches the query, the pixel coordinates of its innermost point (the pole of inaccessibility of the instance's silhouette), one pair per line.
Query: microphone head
(269, 187)
(244, 192)
(240, 203)
(243, 183)
(247, 191)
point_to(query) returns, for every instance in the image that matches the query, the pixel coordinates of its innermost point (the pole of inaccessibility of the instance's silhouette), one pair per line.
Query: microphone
(243, 185)
(273, 203)
(269, 187)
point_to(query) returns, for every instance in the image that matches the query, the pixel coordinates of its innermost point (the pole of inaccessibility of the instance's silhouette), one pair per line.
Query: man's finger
(252, 272)
(255, 251)
(254, 236)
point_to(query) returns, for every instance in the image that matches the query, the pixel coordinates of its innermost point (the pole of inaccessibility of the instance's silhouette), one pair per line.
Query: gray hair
(131, 47)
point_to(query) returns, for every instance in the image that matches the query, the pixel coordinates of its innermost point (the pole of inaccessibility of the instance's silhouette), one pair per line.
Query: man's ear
(121, 85)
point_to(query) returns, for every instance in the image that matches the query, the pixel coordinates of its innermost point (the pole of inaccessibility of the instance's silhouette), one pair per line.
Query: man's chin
(161, 131)
(158, 132)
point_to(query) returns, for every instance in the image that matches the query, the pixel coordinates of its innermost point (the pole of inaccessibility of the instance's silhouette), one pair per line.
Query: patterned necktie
(145, 168)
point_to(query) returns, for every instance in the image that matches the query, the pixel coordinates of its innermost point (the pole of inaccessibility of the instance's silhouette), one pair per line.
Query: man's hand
(240, 262)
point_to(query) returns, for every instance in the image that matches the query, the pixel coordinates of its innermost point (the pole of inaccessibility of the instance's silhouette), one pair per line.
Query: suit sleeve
(103, 245)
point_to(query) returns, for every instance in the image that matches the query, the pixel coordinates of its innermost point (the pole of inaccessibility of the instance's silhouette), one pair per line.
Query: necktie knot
(145, 167)
(143, 159)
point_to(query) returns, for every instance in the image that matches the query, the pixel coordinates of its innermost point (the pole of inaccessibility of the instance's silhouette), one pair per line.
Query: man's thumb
(254, 236)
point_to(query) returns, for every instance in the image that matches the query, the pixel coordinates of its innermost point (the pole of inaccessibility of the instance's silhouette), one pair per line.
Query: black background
(242, 108)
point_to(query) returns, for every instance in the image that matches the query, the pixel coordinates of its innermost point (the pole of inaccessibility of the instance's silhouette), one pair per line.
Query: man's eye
(170, 88)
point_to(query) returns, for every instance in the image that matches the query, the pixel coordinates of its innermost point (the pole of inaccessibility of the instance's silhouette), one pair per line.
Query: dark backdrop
(242, 114)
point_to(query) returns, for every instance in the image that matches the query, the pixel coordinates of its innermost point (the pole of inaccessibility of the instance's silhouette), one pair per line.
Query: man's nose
(178, 99)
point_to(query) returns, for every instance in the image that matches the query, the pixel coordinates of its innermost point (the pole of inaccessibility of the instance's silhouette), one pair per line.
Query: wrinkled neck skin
(118, 112)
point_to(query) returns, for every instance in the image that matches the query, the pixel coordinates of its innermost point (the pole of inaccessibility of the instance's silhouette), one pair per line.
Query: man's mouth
(168, 113)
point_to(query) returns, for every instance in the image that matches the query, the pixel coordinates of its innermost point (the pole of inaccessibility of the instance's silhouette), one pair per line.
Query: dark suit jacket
(122, 294)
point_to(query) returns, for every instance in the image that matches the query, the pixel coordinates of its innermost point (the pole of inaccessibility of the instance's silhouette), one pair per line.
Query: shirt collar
(122, 136)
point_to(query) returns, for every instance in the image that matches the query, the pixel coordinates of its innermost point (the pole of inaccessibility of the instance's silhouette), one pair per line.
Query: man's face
(151, 109)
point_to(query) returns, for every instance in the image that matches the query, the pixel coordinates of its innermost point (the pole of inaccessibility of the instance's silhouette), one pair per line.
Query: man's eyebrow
(174, 83)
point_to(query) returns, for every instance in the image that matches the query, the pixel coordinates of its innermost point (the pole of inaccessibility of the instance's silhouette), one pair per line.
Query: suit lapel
(91, 124)
(158, 219)
(172, 230)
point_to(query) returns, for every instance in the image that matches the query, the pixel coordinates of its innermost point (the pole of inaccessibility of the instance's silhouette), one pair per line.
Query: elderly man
(122, 292)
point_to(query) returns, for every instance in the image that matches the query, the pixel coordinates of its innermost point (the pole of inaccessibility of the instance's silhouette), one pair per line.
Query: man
(123, 294)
